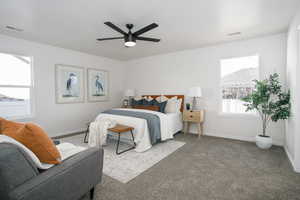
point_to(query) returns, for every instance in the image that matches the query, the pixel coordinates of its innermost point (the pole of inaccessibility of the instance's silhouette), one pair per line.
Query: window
(15, 86)
(237, 75)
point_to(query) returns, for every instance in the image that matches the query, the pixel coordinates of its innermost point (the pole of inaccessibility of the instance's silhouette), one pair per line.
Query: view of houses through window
(15, 86)
(237, 75)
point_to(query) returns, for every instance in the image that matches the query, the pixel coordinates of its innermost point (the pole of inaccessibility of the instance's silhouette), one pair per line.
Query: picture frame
(69, 84)
(97, 85)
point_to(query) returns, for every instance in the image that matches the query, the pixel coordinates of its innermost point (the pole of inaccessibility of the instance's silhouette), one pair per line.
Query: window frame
(30, 87)
(220, 106)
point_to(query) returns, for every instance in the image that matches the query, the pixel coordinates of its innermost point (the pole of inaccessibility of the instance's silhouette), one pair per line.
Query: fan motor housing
(129, 26)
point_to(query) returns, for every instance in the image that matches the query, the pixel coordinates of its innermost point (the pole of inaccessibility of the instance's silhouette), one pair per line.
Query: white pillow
(148, 98)
(158, 99)
(171, 106)
(137, 98)
(164, 98)
(178, 106)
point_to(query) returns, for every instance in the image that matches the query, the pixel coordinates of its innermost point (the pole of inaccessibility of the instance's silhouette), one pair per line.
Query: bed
(170, 123)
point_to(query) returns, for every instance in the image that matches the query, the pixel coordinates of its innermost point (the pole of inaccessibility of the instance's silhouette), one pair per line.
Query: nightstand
(193, 116)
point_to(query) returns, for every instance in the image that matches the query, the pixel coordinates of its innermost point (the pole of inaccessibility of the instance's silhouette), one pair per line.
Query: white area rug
(129, 165)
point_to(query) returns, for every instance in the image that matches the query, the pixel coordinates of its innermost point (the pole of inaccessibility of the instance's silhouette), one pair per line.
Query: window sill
(21, 118)
(238, 115)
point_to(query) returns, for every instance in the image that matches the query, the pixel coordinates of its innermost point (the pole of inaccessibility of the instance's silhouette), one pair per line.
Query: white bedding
(170, 124)
(174, 122)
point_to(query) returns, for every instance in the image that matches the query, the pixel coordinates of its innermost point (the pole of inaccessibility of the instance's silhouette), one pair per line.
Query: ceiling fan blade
(112, 38)
(145, 29)
(111, 25)
(148, 39)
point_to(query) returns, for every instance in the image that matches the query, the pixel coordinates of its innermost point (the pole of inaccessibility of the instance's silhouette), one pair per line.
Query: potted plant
(271, 103)
(188, 106)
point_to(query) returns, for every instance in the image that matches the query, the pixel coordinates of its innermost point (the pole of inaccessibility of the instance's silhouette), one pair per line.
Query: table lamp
(129, 93)
(194, 92)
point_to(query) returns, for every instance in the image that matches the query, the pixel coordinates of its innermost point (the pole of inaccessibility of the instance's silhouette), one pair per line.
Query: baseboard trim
(69, 134)
(242, 138)
(291, 160)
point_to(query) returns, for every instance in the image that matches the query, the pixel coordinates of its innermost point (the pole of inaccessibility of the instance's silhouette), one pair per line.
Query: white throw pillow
(158, 99)
(137, 98)
(164, 98)
(178, 105)
(172, 105)
(148, 98)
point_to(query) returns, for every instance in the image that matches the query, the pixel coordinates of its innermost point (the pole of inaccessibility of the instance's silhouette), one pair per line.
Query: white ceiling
(183, 24)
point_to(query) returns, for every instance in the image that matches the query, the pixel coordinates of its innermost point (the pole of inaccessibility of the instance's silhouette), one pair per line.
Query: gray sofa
(70, 180)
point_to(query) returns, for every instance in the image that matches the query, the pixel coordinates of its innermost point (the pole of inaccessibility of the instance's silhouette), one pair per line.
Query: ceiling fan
(131, 38)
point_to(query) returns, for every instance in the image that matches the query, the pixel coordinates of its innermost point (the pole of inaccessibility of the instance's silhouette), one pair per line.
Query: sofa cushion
(35, 139)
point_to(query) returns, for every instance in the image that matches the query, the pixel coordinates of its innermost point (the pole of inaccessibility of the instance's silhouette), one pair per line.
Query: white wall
(174, 73)
(60, 119)
(293, 80)
(164, 74)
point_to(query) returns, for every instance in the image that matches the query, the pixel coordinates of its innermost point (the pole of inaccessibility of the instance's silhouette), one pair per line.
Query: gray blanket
(153, 122)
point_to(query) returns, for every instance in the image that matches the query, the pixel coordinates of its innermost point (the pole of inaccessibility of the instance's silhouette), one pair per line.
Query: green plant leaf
(269, 100)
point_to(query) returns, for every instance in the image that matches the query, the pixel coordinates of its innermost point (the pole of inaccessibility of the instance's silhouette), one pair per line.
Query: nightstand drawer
(193, 116)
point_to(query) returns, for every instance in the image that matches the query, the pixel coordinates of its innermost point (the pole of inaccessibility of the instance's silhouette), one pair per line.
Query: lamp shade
(129, 93)
(195, 92)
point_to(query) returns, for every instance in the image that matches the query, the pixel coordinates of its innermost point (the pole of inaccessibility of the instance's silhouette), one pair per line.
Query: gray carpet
(211, 169)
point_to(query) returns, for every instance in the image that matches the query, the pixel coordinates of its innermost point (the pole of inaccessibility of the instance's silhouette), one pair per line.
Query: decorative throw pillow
(161, 105)
(148, 98)
(173, 105)
(135, 102)
(178, 106)
(35, 139)
(164, 98)
(1, 121)
(9, 127)
(146, 102)
(158, 99)
(137, 98)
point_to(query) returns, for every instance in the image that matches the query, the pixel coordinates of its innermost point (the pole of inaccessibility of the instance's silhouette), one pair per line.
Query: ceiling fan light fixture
(129, 37)
(130, 44)
(130, 41)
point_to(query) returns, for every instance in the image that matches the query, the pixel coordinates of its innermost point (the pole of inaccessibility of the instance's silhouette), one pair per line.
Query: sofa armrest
(71, 179)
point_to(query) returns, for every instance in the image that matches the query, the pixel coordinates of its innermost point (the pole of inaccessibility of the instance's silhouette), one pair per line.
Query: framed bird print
(69, 84)
(98, 85)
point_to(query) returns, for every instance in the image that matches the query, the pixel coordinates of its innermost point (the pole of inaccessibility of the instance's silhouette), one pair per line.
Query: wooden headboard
(169, 96)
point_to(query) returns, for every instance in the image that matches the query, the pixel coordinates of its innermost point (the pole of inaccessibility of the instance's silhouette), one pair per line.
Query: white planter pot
(263, 142)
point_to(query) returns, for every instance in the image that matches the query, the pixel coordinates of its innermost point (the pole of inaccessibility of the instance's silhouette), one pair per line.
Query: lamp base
(194, 103)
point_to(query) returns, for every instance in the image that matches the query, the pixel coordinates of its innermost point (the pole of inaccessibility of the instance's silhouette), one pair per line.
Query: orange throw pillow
(37, 140)
(1, 121)
(9, 127)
